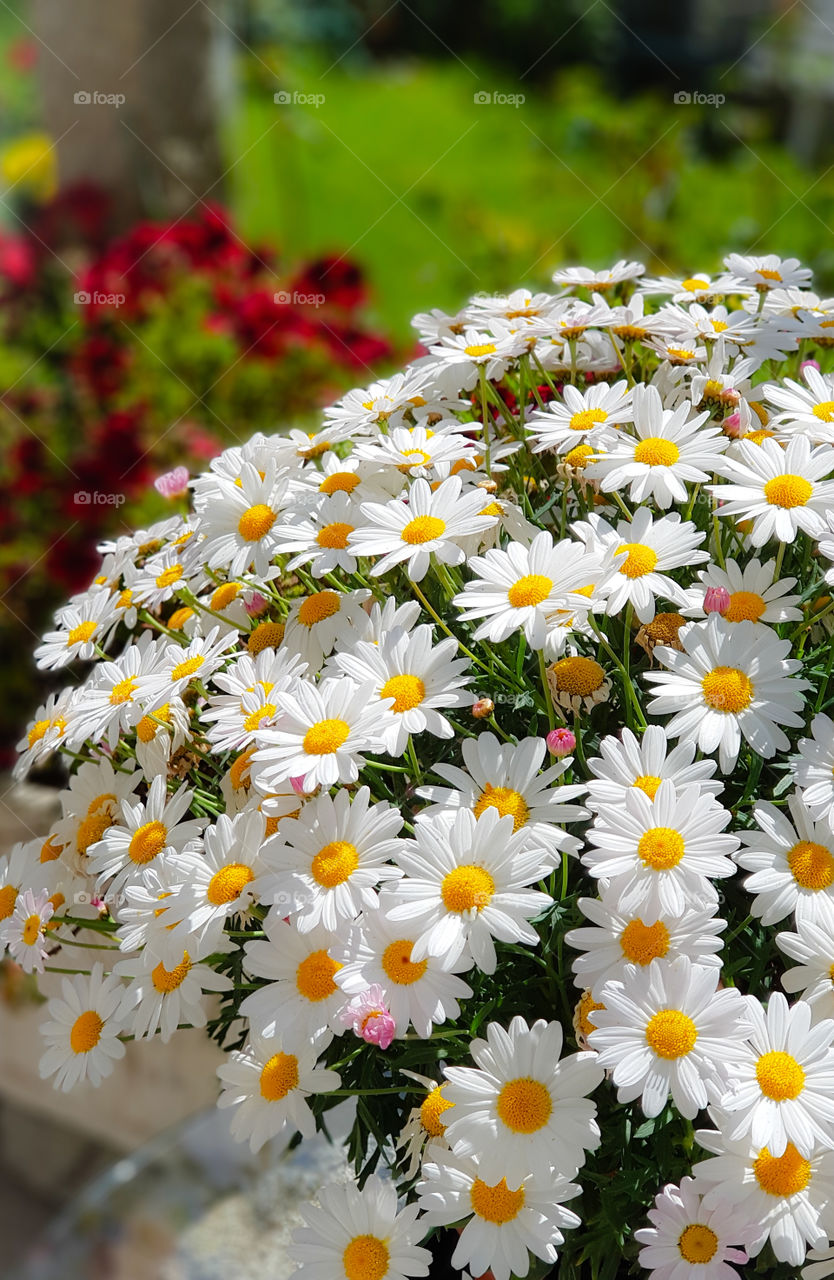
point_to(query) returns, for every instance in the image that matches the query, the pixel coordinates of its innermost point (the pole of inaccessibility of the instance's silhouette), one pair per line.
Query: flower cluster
(457, 759)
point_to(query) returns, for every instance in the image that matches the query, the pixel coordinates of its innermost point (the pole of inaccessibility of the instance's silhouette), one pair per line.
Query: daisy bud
(482, 707)
(732, 425)
(256, 604)
(809, 364)
(369, 1017)
(561, 742)
(174, 484)
(716, 600)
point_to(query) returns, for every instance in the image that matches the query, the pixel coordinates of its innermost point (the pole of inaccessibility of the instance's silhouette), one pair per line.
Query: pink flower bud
(174, 484)
(369, 1017)
(716, 600)
(809, 364)
(732, 425)
(482, 707)
(255, 605)
(561, 742)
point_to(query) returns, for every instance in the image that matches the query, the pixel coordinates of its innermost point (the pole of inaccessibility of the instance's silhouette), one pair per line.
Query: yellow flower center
(147, 727)
(50, 850)
(325, 737)
(744, 606)
(122, 691)
(671, 1034)
(480, 349)
(433, 1106)
(314, 976)
(169, 576)
(585, 419)
(784, 1175)
(779, 1076)
(81, 634)
(648, 783)
(532, 589)
(657, 452)
(587, 1005)
(788, 491)
(467, 888)
(125, 599)
(719, 326)
(224, 595)
(694, 284)
(407, 692)
(335, 863)
(824, 411)
(37, 731)
(86, 1032)
(255, 523)
(179, 617)
(497, 1203)
(228, 883)
(339, 482)
(768, 275)
(147, 842)
(8, 898)
(253, 720)
(239, 772)
(167, 980)
(661, 848)
(698, 1244)
(184, 670)
(398, 965)
(423, 529)
(418, 457)
(279, 1076)
(506, 801)
(727, 689)
(335, 535)
(579, 456)
(92, 829)
(579, 676)
(267, 635)
(639, 559)
(31, 930)
(318, 607)
(811, 865)
(641, 943)
(366, 1258)
(524, 1105)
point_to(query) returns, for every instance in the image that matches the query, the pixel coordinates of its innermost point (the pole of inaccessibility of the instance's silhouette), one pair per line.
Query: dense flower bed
(469, 759)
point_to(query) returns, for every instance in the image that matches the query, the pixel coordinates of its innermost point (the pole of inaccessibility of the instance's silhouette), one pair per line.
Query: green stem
(551, 717)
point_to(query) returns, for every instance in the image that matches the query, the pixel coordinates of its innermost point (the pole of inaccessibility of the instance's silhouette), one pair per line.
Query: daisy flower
(83, 1029)
(321, 621)
(699, 287)
(319, 733)
(45, 732)
(268, 1083)
(154, 828)
(599, 281)
(767, 271)
(81, 627)
(239, 521)
(323, 868)
(432, 522)
(687, 1241)
(422, 992)
(418, 451)
(580, 416)
(23, 931)
(113, 700)
(813, 947)
(781, 490)
(523, 1109)
(92, 802)
(730, 680)
(520, 588)
(792, 863)
(321, 539)
(160, 999)
(808, 408)
(658, 852)
(502, 1226)
(814, 768)
(466, 883)
(754, 595)
(300, 999)
(15, 875)
(780, 1086)
(643, 551)
(787, 1199)
(669, 1030)
(423, 679)
(491, 349)
(373, 406)
(628, 761)
(359, 1235)
(217, 882)
(619, 939)
(197, 660)
(669, 449)
(507, 778)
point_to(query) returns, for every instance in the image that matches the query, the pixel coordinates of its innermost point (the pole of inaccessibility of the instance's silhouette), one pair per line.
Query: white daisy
(730, 680)
(523, 1109)
(180, 664)
(240, 519)
(321, 538)
(808, 408)
(151, 829)
(492, 349)
(23, 932)
(268, 1083)
(217, 882)
(599, 281)
(418, 451)
(83, 1030)
(780, 1086)
(628, 761)
(687, 1241)
(318, 622)
(767, 271)
(792, 864)
(300, 999)
(781, 490)
(501, 1225)
(92, 802)
(360, 1235)
(581, 416)
(658, 852)
(669, 1030)
(754, 595)
(160, 999)
(813, 946)
(81, 626)
(466, 883)
(45, 731)
(814, 768)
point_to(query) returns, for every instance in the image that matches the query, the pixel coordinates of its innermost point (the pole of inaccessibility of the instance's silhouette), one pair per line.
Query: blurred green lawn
(439, 197)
